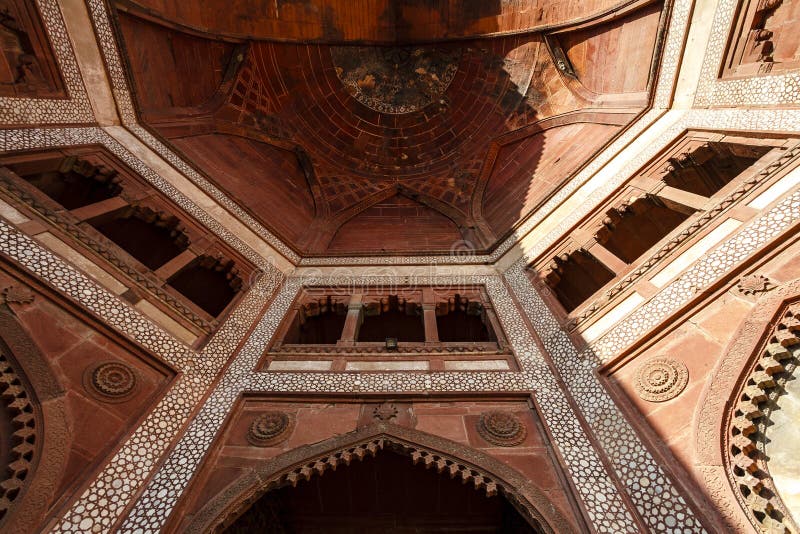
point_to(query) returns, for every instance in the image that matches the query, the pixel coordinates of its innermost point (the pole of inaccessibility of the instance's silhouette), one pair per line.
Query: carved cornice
(687, 233)
(70, 225)
(487, 349)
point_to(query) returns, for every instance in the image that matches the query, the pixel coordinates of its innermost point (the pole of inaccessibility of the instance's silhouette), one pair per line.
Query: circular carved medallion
(661, 379)
(502, 428)
(395, 79)
(112, 380)
(269, 428)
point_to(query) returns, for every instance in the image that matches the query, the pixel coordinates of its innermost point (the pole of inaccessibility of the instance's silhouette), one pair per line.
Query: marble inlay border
(757, 90)
(38, 138)
(130, 466)
(658, 502)
(598, 491)
(673, 48)
(38, 111)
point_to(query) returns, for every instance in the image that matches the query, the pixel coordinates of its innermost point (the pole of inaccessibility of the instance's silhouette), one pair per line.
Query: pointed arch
(51, 431)
(447, 457)
(714, 419)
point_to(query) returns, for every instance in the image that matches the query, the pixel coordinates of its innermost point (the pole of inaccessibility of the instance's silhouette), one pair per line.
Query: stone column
(195, 250)
(176, 264)
(682, 201)
(355, 316)
(607, 258)
(429, 315)
(99, 208)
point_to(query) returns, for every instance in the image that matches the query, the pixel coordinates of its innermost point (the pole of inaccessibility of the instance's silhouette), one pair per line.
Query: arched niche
(447, 458)
(28, 376)
(731, 425)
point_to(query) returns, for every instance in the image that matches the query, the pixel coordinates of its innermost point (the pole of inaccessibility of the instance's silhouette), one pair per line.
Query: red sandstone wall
(527, 171)
(595, 52)
(93, 425)
(261, 177)
(170, 59)
(700, 341)
(398, 223)
(234, 456)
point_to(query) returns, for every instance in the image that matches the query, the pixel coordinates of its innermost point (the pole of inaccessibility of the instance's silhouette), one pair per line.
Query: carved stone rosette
(502, 428)
(269, 428)
(110, 381)
(385, 412)
(661, 379)
(17, 295)
(754, 284)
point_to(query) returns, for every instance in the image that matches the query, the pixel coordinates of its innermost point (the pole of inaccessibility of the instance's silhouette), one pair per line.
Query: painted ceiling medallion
(661, 379)
(269, 428)
(397, 79)
(502, 428)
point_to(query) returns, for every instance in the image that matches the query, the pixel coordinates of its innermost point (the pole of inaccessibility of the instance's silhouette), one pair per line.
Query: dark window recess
(150, 237)
(209, 282)
(74, 184)
(575, 277)
(629, 232)
(317, 323)
(387, 493)
(460, 319)
(392, 317)
(711, 167)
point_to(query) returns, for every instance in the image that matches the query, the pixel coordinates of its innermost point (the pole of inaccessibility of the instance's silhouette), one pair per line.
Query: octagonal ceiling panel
(409, 148)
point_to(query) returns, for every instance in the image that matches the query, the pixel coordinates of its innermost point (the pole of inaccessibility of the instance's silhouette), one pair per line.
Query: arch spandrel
(451, 459)
(714, 421)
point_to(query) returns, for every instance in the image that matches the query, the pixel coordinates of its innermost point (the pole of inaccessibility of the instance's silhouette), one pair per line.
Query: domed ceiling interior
(386, 127)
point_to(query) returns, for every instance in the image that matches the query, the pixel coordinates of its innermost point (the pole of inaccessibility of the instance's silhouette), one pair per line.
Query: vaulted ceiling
(452, 125)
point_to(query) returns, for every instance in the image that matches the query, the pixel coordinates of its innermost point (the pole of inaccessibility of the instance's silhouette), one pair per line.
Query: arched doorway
(385, 493)
(408, 464)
